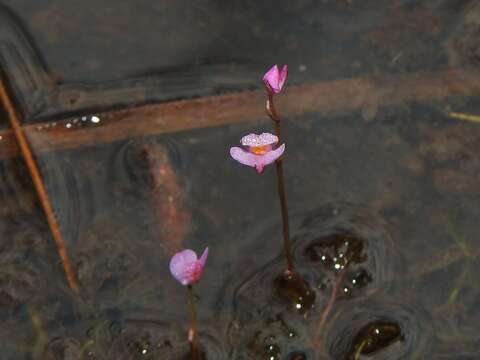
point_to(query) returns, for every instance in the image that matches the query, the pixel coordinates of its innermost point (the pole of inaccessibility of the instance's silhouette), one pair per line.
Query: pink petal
(193, 273)
(283, 76)
(269, 157)
(203, 258)
(243, 157)
(260, 168)
(180, 263)
(259, 140)
(271, 79)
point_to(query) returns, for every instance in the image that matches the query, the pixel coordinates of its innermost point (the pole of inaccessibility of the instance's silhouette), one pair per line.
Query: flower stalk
(284, 208)
(192, 332)
(262, 150)
(274, 80)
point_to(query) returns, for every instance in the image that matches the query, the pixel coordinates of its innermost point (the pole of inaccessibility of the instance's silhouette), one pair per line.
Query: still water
(383, 199)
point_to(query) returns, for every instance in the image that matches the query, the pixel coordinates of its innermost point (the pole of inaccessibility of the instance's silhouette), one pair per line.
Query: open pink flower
(186, 268)
(275, 78)
(259, 151)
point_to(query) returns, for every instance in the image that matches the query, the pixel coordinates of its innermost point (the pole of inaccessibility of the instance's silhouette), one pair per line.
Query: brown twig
(39, 186)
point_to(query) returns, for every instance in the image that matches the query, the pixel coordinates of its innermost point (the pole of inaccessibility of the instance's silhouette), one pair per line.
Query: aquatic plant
(274, 80)
(260, 151)
(187, 269)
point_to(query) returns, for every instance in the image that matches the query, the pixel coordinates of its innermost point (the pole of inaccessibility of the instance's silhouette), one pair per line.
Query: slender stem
(270, 107)
(283, 204)
(331, 301)
(272, 113)
(192, 332)
(39, 187)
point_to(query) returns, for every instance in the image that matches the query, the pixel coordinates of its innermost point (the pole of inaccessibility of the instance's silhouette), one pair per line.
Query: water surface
(383, 201)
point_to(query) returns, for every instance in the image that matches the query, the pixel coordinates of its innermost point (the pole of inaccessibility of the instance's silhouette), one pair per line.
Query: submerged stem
(192, 332)
(329, 306)
(272, 113)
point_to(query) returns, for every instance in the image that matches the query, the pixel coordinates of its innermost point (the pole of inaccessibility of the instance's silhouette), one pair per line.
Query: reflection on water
(384, 200)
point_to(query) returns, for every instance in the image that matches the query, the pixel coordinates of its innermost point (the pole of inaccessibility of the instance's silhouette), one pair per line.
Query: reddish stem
(273, 114)
(192, 331)
(328, 308)
(270, 107)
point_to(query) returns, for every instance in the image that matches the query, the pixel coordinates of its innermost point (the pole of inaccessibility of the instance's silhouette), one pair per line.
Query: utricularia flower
(275, 78)
(259, 151)
(186, 267)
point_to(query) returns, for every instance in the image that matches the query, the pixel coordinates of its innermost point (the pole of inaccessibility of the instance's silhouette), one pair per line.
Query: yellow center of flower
(259, 150)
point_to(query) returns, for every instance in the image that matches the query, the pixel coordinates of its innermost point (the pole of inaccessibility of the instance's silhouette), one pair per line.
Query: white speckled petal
(259, 140)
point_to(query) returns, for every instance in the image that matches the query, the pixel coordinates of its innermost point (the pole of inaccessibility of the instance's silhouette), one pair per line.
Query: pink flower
(186, 268)
(259, 151)
(274, 78)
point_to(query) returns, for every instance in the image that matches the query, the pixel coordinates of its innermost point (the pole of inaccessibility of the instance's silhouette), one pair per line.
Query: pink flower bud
(274, 78)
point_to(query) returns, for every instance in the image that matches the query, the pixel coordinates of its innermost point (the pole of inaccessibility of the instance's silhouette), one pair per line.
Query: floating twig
(39, 186)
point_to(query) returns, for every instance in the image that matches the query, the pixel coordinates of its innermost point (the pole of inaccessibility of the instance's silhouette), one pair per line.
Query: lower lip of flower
(193, 272)
(259, 150)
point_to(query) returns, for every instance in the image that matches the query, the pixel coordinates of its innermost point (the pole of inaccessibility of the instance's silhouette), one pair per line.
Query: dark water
(384, 206)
